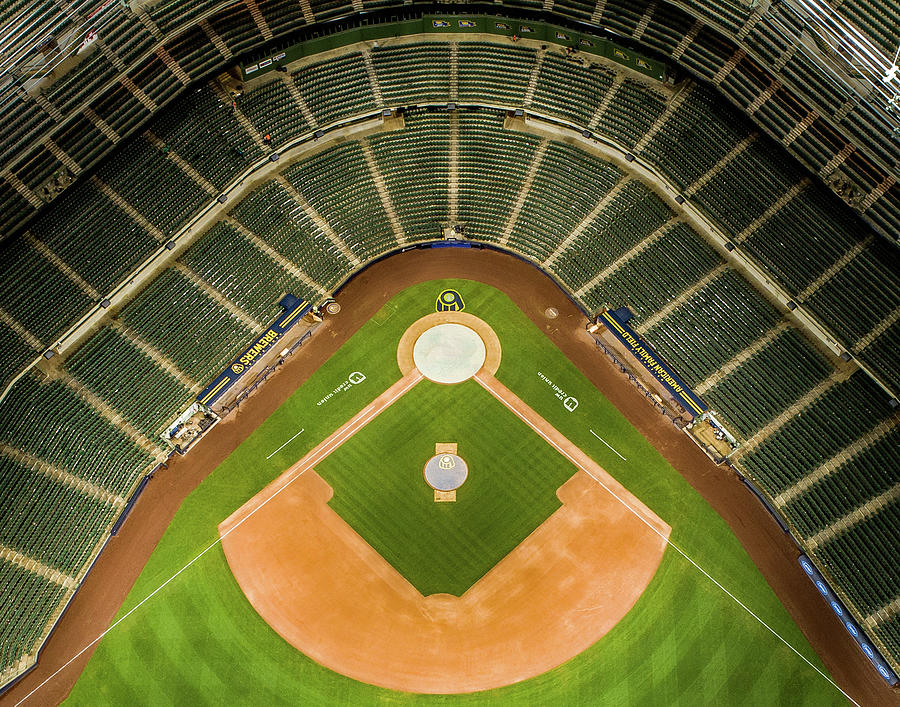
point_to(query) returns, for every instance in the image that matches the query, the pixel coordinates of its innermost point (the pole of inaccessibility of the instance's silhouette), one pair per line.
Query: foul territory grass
(199, 641)
(380, 490)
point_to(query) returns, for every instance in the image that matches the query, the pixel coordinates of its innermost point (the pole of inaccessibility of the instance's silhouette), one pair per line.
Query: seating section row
(186, 322)
(33, 501)
(709, 326)
(493, 164)
(618, 223)
(704, 38)
(646, 282)
(94, 236)
(414, 162)
(240, 265)
(843, 414)
(203, 130)
(273, 214)
(33, 601)
(129, 380)
(825, 462)
(698, 144)
(767, 383)
(340, 189)
(50, 421)
(335, 88)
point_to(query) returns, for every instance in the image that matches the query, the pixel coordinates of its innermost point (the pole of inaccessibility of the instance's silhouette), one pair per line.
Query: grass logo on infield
(354, 378)
(570, 402)
(449, 301)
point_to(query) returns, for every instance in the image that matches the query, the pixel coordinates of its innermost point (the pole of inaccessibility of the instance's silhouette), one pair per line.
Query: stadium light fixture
(891, 73)
(25, 37)
(851, 61)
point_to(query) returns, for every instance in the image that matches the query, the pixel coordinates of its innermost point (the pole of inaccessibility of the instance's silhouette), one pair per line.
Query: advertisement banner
(615, 321)
(261, 345)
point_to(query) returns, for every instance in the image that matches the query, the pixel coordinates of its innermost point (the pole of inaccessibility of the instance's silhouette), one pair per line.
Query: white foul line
(530, 423)
(608, 445)
(365, 419)
(285, 444)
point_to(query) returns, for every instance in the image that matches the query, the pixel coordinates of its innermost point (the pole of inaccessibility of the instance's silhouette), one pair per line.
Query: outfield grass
(200, 642)
(380, 491)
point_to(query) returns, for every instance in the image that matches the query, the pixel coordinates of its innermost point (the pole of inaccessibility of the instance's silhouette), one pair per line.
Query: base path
(570, 451)
(315, 581)
(322, 450)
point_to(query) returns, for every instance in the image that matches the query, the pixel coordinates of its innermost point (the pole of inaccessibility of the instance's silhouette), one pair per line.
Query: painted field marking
(285, 444)
(339, 437)
(486, 384)
(608, 445)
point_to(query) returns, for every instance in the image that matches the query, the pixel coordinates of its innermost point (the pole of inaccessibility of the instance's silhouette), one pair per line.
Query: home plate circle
(445, 472)
(449, 353)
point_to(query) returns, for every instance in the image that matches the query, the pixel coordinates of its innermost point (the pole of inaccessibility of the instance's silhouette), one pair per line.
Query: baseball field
(322, 525)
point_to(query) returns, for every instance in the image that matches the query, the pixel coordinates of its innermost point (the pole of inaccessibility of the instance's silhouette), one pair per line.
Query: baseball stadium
(381, 352)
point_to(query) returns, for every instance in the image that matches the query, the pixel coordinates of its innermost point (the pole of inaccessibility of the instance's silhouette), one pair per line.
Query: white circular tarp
(446, 472)
(449, 353)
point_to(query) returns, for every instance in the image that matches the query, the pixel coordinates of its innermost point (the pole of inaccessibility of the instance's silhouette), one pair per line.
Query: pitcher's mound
(449, 353)
(446, 472)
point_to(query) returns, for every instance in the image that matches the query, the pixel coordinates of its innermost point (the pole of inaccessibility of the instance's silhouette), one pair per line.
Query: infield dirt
(331, 595)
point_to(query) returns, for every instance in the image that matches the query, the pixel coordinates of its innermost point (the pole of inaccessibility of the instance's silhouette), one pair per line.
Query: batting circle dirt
(492, 351)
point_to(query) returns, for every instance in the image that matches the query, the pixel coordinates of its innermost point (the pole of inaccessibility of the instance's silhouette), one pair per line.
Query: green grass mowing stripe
(658, 654)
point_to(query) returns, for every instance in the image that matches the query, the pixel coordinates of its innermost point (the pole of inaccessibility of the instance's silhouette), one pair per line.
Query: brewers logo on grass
(450, 301)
